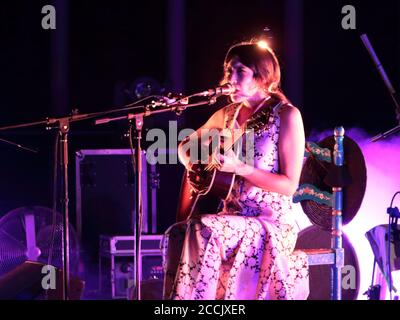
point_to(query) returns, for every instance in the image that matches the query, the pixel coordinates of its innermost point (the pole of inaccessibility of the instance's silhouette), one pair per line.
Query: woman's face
(242, 78)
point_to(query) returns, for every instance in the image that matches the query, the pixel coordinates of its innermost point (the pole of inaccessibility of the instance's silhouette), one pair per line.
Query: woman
(246, 250)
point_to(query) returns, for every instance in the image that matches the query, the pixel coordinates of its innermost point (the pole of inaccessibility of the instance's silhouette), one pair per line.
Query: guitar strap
(256, 121)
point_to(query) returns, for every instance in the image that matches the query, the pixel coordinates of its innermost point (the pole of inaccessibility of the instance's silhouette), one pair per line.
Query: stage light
(143, 87)
(262, 44)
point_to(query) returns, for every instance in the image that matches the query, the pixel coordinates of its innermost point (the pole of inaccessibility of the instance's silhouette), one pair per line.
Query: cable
(128, 107)
(133, 159)
(134, 167)
(138, 228)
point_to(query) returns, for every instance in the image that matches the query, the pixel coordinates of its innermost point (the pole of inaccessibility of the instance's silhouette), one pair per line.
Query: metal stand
(138, 122)
(394, 216)
(137, 119)
(336, 240)
(373, 292)
(18, 145)
(64, 125)
(63, 131)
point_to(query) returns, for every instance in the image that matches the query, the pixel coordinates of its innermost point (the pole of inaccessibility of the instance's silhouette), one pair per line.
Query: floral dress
(245, 252)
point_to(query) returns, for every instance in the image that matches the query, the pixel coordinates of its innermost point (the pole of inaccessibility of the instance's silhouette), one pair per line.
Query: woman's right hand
(195, 178)
(192, 179)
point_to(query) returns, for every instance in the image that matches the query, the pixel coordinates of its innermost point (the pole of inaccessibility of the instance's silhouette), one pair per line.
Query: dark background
(101, 48)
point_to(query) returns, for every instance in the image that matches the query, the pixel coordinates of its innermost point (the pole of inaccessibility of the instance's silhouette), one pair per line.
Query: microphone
(224, 90)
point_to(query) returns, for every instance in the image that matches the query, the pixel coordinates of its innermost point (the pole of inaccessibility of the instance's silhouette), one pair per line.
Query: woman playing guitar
(245, 250)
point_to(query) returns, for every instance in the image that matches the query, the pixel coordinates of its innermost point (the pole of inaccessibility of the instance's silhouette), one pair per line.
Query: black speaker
(105, 195)
(25, 283)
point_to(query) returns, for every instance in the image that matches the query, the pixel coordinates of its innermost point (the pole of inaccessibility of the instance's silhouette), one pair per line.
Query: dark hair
(264, 64)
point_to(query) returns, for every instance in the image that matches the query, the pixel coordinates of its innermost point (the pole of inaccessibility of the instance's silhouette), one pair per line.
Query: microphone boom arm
(388, 85)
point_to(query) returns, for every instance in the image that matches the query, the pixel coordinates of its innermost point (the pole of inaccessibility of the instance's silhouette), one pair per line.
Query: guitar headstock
(259, 120)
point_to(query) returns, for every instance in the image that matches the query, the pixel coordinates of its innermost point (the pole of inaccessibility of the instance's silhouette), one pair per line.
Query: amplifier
(117, 266)
(126, 244)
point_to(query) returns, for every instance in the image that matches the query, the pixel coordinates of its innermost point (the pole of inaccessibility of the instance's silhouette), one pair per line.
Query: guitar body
(214, 185)
(208, 201)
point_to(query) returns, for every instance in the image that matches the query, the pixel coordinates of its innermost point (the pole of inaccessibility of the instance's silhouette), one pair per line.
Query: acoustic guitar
(212, 185)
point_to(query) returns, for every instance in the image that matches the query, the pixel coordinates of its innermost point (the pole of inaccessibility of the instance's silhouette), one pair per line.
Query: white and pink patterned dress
(244, 252)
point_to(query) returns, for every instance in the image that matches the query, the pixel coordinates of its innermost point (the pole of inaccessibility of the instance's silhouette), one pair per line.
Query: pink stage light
(383, 180)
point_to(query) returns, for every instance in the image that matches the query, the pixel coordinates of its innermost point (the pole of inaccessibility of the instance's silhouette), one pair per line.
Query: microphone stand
(63, 125)
(388, 85)
(63, 132)
(18, 145)
(137, 120)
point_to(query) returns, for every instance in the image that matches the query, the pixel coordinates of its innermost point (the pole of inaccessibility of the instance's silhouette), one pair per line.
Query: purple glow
(383, 180)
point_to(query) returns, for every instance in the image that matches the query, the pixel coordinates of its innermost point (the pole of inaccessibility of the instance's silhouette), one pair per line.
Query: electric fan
(26, 234)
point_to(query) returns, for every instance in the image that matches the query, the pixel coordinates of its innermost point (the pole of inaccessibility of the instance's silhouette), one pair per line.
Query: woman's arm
(291, 153)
